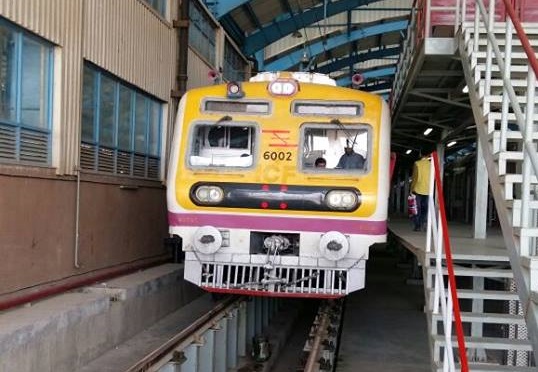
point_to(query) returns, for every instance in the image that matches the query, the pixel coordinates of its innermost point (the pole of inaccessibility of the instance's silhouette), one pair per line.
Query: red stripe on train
(278, 223)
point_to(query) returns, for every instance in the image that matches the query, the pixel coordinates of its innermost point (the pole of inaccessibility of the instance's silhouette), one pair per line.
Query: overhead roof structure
(335, 37)
(345, 37)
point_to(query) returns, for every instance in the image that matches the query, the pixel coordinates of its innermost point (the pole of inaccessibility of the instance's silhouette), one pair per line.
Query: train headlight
(342, 199)
(207, 240)
(283, 87)
(208, 194)
(333, 245)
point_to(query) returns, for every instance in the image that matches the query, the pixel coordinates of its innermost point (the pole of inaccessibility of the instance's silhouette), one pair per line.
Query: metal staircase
(498, 296)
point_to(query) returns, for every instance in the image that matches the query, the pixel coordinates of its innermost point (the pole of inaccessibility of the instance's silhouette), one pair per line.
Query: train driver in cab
(350, 159)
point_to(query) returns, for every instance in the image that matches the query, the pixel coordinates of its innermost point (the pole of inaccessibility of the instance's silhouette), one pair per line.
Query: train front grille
(280, 279)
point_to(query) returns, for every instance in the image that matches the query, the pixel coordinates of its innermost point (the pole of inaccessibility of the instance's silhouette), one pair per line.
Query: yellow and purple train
(279, 186)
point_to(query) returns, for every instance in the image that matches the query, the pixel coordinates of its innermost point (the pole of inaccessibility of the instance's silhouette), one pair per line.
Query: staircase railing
(438, 236)
(521, 245)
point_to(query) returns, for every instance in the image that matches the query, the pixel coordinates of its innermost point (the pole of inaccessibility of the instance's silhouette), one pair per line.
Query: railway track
(247, 334)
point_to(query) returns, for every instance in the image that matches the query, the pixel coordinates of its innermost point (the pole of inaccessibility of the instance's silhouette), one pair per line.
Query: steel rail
(185, 336)
(321, 332)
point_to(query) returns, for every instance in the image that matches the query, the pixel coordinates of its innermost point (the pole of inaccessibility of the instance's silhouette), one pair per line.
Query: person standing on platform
(420, 186)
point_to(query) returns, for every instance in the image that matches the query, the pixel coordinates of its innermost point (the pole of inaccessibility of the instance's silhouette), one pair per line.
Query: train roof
(302, 77)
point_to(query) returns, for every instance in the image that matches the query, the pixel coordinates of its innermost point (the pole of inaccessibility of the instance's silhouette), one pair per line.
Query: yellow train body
(256, 213)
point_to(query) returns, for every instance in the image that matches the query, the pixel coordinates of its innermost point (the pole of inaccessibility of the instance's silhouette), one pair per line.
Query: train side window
(229, 145)
(329, 141)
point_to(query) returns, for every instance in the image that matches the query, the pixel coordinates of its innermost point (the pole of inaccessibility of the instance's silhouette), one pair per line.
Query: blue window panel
(89, 93)
(125, 119)
(8, 80)
(141, 124)
(202, 33)
(34, 103)
(154, 128)
(233, 66)
(106, 111)
(159, 6)
(121, 127)
(25, 96)
(288, 60)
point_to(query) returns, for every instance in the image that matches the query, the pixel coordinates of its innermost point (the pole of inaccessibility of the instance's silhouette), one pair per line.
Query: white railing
(447, 304)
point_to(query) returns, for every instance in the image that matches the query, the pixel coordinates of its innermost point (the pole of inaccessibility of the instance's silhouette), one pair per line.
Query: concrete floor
(384, 326)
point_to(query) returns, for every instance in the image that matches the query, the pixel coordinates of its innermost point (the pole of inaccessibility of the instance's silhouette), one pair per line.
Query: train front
(279, 186)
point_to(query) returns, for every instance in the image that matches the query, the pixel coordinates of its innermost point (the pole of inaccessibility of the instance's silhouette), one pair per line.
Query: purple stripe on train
(278, 223)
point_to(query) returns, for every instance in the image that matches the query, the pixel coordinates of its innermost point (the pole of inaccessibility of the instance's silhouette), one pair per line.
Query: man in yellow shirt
(420, 186)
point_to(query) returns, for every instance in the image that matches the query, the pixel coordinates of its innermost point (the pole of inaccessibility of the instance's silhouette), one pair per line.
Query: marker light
(207, 240)
(209, 194)
(333, 245)
(233, 90)
(342, 200)
(283, 87)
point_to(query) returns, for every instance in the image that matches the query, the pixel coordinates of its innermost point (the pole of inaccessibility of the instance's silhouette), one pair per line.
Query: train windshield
(335, 147)
(222, 145)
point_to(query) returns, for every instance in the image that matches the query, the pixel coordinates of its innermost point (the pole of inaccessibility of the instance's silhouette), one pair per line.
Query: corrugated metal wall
(124, 37)
(198, 70)
(131, 41)
(59, 21)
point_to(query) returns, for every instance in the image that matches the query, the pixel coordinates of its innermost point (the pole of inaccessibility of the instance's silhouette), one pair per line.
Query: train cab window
(222, 145)
(335, 148)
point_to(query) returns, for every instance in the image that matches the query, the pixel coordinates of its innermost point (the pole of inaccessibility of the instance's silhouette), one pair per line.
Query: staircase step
(516, 83)
(508, 155)
(510, 134)
(486, 318)
(487, 295)
(530, 28)
(516, 204)
(512, 178)
(527, 231)
(502, 42)
(499, 99)
(515, 55)
(490, 343)
(467, 271)
(483, 367)
(495, 68)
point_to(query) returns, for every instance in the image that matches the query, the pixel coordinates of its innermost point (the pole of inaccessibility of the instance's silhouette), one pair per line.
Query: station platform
(65, 332)
(385, 328)
(463, 245)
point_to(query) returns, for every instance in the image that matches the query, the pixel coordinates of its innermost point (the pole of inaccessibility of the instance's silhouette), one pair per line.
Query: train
(278, 186)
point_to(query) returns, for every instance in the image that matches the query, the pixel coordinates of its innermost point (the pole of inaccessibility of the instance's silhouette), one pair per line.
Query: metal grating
(280, 279)
(105, 160)
(87, 156)
(8, 142)
(34, 146)
(139, 168)
(124, 162)
(153, 167)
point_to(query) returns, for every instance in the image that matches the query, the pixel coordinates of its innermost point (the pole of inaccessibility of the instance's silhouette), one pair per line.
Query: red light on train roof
(233, 90)
(265, 187)
(283, 188)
